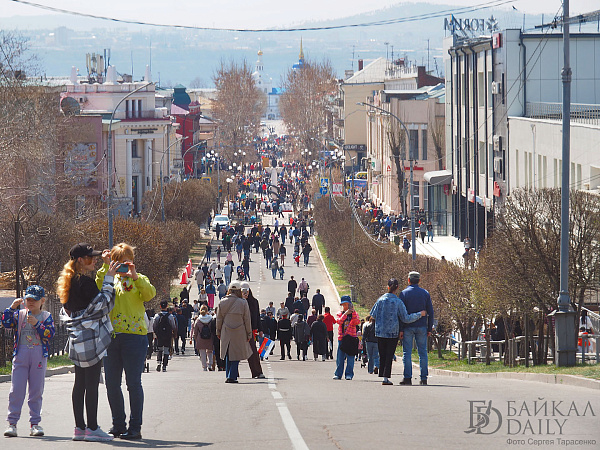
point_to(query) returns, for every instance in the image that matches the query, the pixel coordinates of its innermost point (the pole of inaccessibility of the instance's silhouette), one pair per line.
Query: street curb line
(326, 271)
(549, 378)
(49, 372)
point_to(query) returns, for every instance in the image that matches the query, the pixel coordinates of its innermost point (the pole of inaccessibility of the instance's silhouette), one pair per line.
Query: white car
(221, 220)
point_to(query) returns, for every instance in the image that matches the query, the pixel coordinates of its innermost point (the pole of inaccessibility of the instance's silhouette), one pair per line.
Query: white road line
(276, 395)
(291, 428)
(272, 386)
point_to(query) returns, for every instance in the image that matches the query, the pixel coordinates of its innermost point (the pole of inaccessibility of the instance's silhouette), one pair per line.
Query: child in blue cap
(33, 329)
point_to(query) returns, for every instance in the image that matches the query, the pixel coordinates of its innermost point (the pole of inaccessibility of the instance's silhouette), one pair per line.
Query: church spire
(301, 55)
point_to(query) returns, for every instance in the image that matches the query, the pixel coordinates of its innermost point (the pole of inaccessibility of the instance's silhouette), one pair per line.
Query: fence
(580, 113)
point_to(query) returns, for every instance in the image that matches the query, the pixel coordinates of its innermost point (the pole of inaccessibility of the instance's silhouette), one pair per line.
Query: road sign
(323, 190)
(337, 189)
(324, 183)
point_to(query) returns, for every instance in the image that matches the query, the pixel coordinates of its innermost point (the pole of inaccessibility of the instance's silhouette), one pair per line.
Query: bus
(360, 180)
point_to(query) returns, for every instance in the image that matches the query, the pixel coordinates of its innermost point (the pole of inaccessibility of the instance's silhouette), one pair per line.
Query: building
(502, 108)
(265, 85)
(142, 136)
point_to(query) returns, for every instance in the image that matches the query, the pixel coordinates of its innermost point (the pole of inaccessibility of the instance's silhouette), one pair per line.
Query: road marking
(276, 395)
(272, 386)
(291, 428)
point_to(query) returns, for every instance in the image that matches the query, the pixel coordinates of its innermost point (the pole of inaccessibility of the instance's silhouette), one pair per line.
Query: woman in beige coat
(234, 330)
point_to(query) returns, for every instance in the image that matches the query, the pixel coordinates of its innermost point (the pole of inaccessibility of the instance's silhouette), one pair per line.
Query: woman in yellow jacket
(127, 350)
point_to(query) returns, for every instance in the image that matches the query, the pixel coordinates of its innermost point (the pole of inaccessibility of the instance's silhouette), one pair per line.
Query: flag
(265, 348)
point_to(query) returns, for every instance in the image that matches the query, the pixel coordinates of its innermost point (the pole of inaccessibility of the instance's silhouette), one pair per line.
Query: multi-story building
(142, 136)
(264, 84)
(501, 119)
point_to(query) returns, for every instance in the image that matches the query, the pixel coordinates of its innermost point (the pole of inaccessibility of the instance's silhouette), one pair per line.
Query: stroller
(240, 273)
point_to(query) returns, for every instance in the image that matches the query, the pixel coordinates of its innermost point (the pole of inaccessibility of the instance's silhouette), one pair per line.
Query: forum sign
(470, 26)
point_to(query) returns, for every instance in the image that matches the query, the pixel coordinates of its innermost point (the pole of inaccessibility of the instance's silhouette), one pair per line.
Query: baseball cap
(235, 284)
(83, 249)
(245, 286)
(345, 299)
(35, 292)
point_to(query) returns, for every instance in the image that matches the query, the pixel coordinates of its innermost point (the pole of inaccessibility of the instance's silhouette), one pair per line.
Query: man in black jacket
(284, 332)
(254, 360)
(292, 286)
(318, 302)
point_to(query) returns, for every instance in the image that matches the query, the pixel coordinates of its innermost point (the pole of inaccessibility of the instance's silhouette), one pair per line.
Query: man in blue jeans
(416, 299)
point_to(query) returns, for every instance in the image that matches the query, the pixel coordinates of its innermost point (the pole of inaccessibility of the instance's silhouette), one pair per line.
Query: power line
(416, 18)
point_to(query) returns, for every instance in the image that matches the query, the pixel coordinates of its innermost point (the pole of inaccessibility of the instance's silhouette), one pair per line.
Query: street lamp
(109, 164)
(412, 213)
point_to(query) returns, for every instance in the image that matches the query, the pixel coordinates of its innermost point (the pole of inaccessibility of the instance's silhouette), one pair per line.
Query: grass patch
(342, 285)
(451, 362)
(53, 362)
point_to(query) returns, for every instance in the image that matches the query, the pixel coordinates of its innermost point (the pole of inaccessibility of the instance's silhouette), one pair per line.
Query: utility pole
(565, 338)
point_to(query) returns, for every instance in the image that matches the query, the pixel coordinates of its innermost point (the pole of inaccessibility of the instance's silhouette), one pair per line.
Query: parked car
(221, 220)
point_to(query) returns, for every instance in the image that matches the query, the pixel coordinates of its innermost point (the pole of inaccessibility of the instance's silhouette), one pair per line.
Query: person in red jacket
(329, 321)
(347, 320)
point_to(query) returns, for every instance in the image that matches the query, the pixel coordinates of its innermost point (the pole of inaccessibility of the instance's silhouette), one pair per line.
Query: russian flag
(265, 348)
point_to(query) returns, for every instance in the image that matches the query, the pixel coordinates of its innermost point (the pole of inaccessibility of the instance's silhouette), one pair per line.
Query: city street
(299, 406)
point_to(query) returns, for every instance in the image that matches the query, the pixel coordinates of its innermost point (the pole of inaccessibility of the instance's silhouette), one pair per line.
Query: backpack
(164, 330)
(205, 331)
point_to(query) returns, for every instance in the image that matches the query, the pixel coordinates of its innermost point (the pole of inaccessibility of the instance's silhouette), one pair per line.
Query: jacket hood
(205, 319)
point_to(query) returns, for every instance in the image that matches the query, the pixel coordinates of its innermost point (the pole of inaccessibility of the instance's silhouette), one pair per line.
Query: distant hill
(180, 56)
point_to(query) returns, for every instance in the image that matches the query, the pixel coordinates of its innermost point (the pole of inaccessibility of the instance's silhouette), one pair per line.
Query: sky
(254, 13)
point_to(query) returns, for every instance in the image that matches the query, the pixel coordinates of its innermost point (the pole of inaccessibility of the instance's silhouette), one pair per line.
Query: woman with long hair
(85, 314)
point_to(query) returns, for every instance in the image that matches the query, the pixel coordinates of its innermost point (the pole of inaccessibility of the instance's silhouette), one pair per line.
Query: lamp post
(411, 159)
(109, 164)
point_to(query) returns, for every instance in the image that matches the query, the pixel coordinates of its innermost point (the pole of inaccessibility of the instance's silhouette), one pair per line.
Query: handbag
(349, 345)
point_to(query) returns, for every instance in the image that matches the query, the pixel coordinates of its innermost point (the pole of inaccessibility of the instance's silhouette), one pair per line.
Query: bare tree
(436, 129)
(238, 106)
(306, 101)
(397, 142)
(197, 83)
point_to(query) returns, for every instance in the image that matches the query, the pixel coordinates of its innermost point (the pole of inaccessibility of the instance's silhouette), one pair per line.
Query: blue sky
(254, 13)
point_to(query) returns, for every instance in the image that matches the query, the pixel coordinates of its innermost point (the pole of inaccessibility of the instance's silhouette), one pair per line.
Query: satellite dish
(70, 106)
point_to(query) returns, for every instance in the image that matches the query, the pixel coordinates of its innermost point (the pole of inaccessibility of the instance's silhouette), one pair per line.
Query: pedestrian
(282, 311)
(415, 298)
(208, 251)
(318, 302)
(423, 230)
(85, 309)
(370, 345)
(389, 313)
(234, 330)
(405, 244)
(184, 294)
(246, 268)
(292, 286)
(181, 331)
(306, 249)
(268, 256)
(127, 350)
(203, 337)
(227, 270)
(218, 254)
(222, 290)
(33, 328)
(164, 326)
(305, 305)
(281, 272)
(211, 290)
(216, 342)
(329, 322)
(303, 288)
(347, 320)
(199, 277)
(203, 297)
(301, 336)
(218, 274)
(270, 309)
(254, 359)
(284, 333)
(187, 311)
(274, 268)
(318, 334)
(282, 253)
(429, 232)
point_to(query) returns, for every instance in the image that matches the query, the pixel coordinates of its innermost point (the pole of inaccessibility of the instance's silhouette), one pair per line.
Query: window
(424, 143)
(415, 194)
(413, 148)
(134, 149)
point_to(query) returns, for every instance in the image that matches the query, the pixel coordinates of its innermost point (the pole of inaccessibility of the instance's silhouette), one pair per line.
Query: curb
(565, 380)
(49, 372)
(326, 271)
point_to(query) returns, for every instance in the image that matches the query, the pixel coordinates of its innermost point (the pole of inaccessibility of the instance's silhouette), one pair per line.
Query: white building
(141, 135)
(493, 83)
(265, 84)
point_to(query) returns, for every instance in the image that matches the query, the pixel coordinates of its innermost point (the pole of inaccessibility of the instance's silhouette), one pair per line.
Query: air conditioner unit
(496, 87)
(497, 143)
(498, 165)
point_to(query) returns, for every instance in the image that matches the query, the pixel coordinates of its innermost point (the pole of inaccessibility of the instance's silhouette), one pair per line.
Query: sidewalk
(448, 246)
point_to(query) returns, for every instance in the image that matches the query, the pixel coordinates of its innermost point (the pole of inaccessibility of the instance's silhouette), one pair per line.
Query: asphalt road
(299, 406)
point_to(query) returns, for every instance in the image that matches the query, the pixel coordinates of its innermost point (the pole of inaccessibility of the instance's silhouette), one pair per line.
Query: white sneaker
(97, 435)
(36, 430)
(11, 431)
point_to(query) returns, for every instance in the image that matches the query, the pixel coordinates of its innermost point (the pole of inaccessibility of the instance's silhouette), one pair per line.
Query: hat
(244, 286)
(235, 284)
(345, 299)
(83, 249)
(35, 292)
(164, 304)
(414, 276)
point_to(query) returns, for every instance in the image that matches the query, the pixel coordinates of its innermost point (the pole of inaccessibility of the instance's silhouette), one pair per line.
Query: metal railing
(580, 113)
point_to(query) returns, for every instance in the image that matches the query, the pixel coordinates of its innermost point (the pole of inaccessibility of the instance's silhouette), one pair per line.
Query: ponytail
(63, 285)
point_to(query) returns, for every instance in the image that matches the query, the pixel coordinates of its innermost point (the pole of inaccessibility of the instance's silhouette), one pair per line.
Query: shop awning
(438, 177)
